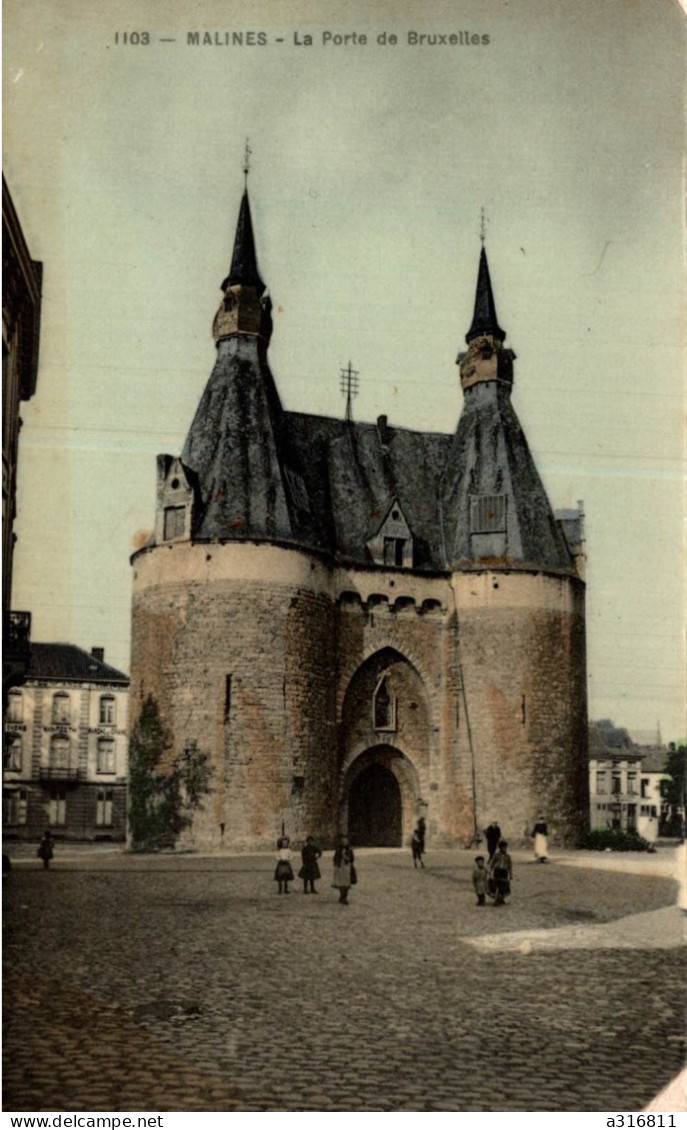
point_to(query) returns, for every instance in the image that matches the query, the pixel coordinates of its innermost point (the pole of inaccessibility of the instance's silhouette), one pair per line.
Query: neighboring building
(21, 310)
(625, 781)
(66, 747)
(359, 623)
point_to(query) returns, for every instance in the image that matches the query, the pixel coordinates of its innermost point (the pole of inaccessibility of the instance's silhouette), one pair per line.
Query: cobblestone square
(164, 983)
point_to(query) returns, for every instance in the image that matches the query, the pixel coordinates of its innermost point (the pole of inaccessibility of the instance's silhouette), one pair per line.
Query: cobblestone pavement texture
(186, 983)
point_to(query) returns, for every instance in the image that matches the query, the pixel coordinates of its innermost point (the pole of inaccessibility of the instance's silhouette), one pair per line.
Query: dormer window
(394, 549)
(487, 513)
(384, 705)
(175, 520)
(392, 543)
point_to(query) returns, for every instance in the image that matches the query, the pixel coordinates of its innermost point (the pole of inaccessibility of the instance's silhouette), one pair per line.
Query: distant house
(66, 747)
(625, 781)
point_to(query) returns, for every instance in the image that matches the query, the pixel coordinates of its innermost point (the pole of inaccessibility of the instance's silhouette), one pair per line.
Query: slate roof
(353, 471)
(484, 320)
(64, 662)
(244, 263)
(613, 743)
(266, 474)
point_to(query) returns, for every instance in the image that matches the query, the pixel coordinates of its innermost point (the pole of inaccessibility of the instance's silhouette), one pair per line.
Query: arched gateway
(380, 798)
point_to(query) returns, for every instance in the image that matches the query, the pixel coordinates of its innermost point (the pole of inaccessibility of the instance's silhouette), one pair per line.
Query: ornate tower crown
(486, 358)
(246, 306)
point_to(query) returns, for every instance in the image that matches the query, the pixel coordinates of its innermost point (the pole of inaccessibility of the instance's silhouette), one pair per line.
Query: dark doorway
(374, 809)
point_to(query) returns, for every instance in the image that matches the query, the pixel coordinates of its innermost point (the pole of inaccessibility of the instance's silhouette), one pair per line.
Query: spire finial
(349, 388)
(246, 161)
(482, 226)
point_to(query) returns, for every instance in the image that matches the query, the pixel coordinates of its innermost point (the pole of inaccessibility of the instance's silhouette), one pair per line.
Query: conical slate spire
(484, 318)
(244, 263)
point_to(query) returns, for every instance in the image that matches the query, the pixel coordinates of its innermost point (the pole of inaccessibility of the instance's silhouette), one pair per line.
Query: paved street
(164, 983)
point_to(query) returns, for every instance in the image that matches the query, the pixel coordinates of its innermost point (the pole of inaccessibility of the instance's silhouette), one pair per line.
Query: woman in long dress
(344, 871)
(541, 845)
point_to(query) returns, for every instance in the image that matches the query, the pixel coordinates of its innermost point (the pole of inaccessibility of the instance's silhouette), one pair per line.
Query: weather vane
(246, 160)
(349, 388)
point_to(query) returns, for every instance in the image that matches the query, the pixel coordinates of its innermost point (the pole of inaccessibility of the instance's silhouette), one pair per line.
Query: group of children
(344, 877)
(494, 878)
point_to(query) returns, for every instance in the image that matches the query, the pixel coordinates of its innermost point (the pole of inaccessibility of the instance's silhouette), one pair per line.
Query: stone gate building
(360, 623)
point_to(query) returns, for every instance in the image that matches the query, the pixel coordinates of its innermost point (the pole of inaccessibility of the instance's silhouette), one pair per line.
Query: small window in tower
(487, 513)
(175, 522)
(384, 705)
(393, 551)
(298, 492)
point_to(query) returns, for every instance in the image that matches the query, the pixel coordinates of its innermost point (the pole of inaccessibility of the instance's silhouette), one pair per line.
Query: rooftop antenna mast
(349, 389)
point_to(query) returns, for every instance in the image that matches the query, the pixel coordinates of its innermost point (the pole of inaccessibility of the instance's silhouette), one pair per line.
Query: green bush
(615, 839)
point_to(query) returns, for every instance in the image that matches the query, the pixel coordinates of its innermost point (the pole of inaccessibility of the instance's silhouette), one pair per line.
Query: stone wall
(267, 660)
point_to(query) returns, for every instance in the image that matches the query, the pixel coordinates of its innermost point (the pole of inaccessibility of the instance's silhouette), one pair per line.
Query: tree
(673, 791)
(163, 795)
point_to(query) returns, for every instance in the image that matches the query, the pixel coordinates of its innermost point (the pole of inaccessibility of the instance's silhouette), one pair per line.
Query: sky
(370, 165)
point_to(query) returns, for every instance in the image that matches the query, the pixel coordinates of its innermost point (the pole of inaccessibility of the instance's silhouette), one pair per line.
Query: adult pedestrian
(501, 873)
(541, 843)
(46, 849)
(422, 831)
(493, 835)
(417, 847)
(344, 869)
(309, 872)
(283, 872)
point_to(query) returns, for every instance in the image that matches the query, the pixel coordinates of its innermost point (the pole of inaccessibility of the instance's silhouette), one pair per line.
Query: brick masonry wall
(522, 645)
(277, 644)
(489, 680)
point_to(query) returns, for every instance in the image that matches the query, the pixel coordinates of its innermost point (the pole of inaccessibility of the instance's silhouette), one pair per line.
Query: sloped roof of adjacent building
(654, 760)
(64, 662)
(352, 473)
(608, 742)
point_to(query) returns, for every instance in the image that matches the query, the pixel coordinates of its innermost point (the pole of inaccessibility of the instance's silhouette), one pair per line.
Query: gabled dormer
(175, 500)
(392, 544)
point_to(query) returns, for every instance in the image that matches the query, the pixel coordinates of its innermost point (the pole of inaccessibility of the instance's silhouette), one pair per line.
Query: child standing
(309, 872)
(283, 872)
(502, 873)
(480, 879)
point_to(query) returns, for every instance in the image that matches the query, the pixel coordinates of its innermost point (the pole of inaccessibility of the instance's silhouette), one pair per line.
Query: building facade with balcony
(66, 747)
(21, 311)
(625, 782)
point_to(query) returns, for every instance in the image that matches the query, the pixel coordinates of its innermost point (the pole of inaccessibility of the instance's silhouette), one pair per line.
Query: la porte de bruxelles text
(337, 39)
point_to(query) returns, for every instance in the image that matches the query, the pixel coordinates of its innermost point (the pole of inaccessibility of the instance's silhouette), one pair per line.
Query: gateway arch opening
(375, 809)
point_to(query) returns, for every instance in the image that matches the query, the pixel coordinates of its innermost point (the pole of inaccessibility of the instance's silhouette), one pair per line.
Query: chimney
(98, 653)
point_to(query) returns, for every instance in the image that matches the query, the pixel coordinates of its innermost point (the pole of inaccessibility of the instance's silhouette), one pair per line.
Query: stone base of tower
(329, 699)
